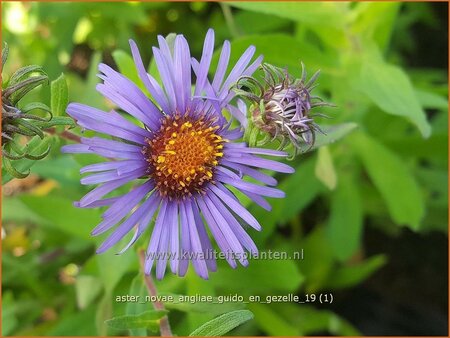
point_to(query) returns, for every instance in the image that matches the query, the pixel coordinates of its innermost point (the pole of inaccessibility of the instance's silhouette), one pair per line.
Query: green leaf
(9, 318)
(330, 135)
(87, 288)
(60, 213)
(103, 311)
(319, 260)
(35, 105)
(215, 307)
(282, 274)
(24, 72)
(300, 187)
(390, 88)
(312, 13)
(148, 319)
(56, 121)
(223, 324)
(346, 219)
(431, 100)
(273, 47)
(375, 20)
(77, 323)
(324, 170)
(349, 276)
(137, 288)
(311, 321)
(272, 322)
(59, 95)
(113, 267)
(393, 179)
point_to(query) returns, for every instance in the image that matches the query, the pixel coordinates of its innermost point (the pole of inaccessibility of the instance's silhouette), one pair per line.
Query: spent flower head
(281, 108)
(182, 155)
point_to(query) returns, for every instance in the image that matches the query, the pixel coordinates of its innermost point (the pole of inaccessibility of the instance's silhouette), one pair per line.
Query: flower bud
(281, 108)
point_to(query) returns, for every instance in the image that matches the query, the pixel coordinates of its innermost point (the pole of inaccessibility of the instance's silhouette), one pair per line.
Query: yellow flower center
(182, 155)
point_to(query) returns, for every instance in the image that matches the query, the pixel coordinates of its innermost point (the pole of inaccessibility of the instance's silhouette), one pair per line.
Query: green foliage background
(387, 168)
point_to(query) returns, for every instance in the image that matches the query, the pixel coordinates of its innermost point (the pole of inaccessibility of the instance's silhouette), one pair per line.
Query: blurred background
(370, 210)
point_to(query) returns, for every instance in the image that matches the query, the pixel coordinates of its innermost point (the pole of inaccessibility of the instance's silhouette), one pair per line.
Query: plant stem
(164, 322)
(229, 19)
(65, 134)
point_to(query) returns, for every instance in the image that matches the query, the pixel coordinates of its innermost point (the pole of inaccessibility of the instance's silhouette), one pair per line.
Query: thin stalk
(229, 19)
(164, 325)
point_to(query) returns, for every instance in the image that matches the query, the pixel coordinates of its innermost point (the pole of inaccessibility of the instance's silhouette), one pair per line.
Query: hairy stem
(164, 322)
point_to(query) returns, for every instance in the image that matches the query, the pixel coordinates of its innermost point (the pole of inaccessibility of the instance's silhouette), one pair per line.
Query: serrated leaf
(59, 95)
(393, 180)
(223, 324)
(148, 320)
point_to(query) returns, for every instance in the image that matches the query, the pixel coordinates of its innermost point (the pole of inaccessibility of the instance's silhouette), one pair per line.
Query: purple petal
(257, 175)
(104, 189)
(112, 165)
(110, 176)
(145, 221)
(121, 208)
(174, 240)
(76, 149)
(236, 207)
(149, 82)
(196, 246)
(204, 239)
(98, 203)
(185, 241)
(147, 112)
(151, 254)
(222, 65)
(251, 187)
(260, 163)
(233, 241)
(182, 67)
(240, 233)
(222, 242)
(123, 229)
(167, 78)
(205, 61)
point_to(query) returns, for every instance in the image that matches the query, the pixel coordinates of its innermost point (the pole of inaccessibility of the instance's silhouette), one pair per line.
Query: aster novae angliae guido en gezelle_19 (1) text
(183, 157)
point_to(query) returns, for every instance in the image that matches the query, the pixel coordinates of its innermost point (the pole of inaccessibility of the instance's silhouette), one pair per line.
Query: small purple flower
(281, 107)
(184, 156)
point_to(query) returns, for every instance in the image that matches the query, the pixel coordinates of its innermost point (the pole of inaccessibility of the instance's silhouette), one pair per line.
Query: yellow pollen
(183, 155)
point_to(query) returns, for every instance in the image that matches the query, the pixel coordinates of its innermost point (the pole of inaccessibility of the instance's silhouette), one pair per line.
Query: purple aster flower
(183, 157)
